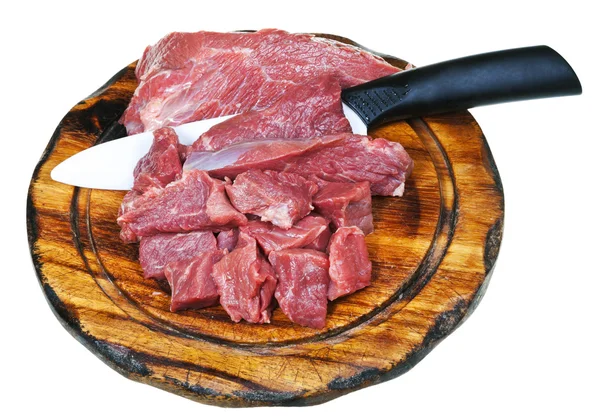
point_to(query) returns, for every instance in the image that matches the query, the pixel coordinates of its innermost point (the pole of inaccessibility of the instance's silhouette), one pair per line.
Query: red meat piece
(302, 283)
(335, 158)
(349, 265)
(303, 111)
(228, 239)
(195, 202)
(272, 238)
(246, 282)
(191, 281)
(320, 243)
(345, 203)
(158, 250)
(192, 76)
(277, 197)
(161, 165)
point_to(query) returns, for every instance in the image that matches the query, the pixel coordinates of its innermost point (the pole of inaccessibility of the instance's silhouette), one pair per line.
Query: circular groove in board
(134, 302)
(433, 252)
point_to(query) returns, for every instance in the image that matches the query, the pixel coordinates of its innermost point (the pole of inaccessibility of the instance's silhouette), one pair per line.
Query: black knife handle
(483, 79)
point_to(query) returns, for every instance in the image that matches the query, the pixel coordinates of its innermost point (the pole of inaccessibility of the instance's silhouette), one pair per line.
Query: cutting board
(433, 252)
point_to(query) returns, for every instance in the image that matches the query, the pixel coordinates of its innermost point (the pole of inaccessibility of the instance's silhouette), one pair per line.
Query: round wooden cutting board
(433, 252)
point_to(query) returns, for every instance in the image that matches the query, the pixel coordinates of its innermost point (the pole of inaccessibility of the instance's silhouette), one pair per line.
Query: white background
(531, 348)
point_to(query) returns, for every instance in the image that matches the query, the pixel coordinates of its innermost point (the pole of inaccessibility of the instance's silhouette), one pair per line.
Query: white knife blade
(517, 74)
(109, 166)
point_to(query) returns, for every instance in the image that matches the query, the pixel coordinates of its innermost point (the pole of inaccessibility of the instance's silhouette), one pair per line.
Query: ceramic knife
(463, 83)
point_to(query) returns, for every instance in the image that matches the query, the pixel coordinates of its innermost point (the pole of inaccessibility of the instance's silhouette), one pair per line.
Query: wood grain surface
(433, 252)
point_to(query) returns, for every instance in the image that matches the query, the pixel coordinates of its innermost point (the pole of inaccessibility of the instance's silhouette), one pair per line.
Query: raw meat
(302, 283)
(228, 239)
(264, 154)
(320, 243)
(345, 204)
(272, 238)
(161, 165)
(277, 197)
(246, 282)
(349, 265)
(303, 111)
(128, 204)
(158, 250)
(289, 146)
(338, 158)
(191, 281)
(192, 76)
(195, 202)
(130, 201)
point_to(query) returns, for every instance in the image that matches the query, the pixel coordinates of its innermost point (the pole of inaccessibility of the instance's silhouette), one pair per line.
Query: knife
(468, 82)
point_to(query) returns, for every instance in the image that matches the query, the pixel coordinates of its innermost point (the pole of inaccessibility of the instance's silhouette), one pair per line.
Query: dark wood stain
(433, 256)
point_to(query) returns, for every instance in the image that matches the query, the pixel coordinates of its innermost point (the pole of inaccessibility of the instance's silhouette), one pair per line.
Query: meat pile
(272, 206)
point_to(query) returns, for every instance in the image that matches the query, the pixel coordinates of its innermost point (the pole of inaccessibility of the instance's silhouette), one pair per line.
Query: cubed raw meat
(277, 197)
(349, 265)
(302, 283)
(191, 281)
(246, 282)
(157, 251)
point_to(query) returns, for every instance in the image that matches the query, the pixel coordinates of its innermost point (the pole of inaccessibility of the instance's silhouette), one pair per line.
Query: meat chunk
(349, 265)
(321, 241)
(302, 283)
(161, 165)
(191, 281)
(277, 197)
(303, 111)
(195, 202)
(246, 282)
(158, 250)
(335, 158)
(228, 239)
(345, 204)
(192, 76)
(272, 238)
(129, 203)
(264, 154)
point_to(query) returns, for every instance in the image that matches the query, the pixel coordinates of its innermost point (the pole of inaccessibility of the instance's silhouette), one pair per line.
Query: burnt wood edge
(117, 76)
